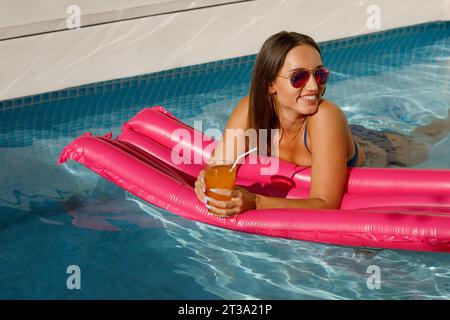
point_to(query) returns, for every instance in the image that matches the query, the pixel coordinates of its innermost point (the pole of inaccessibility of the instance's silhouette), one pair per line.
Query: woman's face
(302, 100)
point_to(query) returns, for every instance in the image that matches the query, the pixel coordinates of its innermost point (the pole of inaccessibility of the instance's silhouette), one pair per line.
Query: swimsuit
(350, 163)
(379, 139)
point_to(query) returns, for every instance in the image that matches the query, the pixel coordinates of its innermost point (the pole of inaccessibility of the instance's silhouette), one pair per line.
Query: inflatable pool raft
(382, 208)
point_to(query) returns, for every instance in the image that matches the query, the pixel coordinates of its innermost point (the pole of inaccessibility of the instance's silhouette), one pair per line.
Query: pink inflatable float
(382, 208)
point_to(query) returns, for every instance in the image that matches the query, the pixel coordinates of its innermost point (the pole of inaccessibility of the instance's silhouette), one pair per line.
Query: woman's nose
(311, 84)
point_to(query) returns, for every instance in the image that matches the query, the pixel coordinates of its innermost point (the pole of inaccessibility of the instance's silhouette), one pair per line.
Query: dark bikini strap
(304, 138)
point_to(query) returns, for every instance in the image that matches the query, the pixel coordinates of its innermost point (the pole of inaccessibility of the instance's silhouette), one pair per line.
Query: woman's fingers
(222, 212)
(218, 208)
(215, 212)
(200, 188)
(220, 204)
(199, 185)
(223, 192)
(200, 194)
(201, 179)
(224, 208)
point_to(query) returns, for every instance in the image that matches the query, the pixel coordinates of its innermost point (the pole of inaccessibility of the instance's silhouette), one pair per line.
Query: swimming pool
(53, 217)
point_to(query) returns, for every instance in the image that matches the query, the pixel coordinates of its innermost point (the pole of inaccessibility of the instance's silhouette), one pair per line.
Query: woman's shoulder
(327, 106)
(242, 106)
(238, 118)
(328, 111)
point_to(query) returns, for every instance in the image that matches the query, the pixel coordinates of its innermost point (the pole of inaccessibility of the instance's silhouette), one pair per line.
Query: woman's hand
(241, 200)
(200, 187)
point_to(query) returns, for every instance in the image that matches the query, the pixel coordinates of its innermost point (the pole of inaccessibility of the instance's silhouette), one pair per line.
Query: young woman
(288, 83)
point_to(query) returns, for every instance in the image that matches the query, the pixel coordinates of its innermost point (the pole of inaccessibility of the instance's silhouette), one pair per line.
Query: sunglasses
(300, 78)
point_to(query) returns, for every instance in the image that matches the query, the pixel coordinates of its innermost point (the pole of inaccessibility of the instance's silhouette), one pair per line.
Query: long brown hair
(262, 113)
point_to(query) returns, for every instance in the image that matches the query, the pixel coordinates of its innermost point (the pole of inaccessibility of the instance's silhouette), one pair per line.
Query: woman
(286, 92)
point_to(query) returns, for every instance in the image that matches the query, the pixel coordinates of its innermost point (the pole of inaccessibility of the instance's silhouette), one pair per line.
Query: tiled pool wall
(113, 85)
(138, 46)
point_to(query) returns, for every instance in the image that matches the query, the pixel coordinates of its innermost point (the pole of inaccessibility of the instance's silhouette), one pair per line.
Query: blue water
(52, 217)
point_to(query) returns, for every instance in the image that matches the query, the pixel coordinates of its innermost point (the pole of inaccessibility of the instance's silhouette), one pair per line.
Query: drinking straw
(241, 156)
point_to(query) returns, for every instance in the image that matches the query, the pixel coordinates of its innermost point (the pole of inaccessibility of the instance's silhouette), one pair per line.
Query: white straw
(241, 156)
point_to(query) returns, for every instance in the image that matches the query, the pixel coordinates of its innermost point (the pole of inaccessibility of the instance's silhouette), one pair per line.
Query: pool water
(52, 217)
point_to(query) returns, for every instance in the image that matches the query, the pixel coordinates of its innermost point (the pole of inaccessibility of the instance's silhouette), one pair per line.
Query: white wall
(27, 17)
(57, 60)
(445, 10)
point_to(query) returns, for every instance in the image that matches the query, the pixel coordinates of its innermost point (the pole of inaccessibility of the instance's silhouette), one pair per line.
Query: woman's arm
(328, 134)
(262, 202)
(235, 127)
(237, 120)
(243, 200)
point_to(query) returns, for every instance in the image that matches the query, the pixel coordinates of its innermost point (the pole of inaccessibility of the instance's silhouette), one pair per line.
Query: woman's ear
(272, 90)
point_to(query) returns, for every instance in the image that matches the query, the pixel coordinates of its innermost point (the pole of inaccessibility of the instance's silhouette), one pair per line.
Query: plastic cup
(220, 175)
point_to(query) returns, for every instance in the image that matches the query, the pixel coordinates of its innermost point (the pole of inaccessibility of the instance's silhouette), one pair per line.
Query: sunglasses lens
(321, 75)
(299, 79)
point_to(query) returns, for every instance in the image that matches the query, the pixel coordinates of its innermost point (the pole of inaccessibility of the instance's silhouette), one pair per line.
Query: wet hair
(262, 110)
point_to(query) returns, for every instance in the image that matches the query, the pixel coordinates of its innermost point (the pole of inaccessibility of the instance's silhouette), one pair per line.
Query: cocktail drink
(220, 176)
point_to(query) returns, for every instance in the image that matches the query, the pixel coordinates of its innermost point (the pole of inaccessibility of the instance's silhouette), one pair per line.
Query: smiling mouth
(309, 98)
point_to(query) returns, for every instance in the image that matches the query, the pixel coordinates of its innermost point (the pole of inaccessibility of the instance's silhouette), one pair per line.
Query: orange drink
(220, 176)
